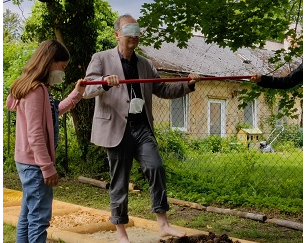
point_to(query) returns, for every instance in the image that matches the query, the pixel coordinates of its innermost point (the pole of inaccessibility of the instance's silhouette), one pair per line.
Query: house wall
(197, 122)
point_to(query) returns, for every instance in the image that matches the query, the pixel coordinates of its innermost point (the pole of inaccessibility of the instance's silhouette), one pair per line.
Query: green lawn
(265, 181)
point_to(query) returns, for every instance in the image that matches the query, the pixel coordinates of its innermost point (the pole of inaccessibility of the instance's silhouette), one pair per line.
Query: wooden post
(94, 182)
(286, 223)
(186, 203)
(258, 217)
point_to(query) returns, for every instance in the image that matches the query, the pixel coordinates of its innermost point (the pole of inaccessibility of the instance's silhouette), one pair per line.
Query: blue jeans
(36, 205)
(139, 143)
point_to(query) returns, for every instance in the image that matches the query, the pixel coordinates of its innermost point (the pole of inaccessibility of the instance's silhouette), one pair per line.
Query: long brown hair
(36, 71)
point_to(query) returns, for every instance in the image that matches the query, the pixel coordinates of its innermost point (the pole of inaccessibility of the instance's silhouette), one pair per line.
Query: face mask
(56, 77)
(136, 104)
(131, 29)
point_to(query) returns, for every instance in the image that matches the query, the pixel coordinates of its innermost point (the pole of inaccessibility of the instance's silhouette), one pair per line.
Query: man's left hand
(194, 78)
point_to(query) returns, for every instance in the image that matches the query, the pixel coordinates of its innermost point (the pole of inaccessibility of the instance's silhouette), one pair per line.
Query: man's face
(126, 42)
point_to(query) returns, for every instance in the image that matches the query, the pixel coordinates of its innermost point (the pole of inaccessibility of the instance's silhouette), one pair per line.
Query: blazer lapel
(116, 61)
(117, 64)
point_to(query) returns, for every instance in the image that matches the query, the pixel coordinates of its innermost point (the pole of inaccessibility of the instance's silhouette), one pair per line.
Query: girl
(37, 135)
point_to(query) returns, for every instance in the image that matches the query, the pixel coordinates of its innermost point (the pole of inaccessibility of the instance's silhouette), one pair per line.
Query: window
(216, 117)
(179, 113)
(250, 115)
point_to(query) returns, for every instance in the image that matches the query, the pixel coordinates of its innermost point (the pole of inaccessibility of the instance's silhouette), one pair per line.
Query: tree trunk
(81, 48)
(82, 119)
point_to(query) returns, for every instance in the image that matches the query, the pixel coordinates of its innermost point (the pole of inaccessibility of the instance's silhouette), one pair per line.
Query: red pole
(93, 82)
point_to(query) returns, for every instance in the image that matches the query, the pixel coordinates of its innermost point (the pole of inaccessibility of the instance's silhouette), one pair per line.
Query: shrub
(172, 143)
(292, 133)
(241, 125)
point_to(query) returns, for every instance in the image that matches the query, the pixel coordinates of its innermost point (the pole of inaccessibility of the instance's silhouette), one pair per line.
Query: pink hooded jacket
(34, 144)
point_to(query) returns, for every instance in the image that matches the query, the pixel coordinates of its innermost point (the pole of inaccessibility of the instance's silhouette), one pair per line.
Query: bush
(215, 144)
(291, 133)
(241, 125)
(172, 143)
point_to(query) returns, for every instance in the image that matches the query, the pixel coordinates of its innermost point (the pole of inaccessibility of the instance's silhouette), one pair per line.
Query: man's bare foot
(165, 229)
(123, 240)
(122, 234)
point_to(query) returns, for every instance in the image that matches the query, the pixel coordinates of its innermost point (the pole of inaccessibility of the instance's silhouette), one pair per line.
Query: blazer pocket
(103, 115)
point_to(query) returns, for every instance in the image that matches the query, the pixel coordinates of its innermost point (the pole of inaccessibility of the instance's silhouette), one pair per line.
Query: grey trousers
(139, 143)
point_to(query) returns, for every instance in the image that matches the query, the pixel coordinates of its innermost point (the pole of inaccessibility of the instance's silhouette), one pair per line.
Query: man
(123, 122)
(289, 81)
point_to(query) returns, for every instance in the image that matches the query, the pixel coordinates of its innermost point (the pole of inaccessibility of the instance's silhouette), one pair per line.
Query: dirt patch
(183, 212)
(211, 238)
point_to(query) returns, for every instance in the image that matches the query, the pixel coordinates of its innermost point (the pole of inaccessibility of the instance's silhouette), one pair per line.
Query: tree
(84, 27)
(15, 55)
(233, 24)
(12, 26)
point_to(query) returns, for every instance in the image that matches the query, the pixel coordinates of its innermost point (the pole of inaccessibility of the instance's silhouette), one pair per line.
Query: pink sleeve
(34, 113)
(70, 102)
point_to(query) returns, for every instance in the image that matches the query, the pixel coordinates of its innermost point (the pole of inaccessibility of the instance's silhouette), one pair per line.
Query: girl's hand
(52, 180)
(80, 87)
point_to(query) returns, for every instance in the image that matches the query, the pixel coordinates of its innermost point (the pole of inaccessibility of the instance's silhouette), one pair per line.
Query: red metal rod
(93, 82)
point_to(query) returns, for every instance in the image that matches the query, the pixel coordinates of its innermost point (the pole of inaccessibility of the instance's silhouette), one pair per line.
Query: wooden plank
(186, 203)
(98, 183)
(286, 223)
(253, 216)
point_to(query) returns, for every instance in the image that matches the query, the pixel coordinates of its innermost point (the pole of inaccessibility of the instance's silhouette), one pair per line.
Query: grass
(268, 182)
(72, 191)
(9, 233)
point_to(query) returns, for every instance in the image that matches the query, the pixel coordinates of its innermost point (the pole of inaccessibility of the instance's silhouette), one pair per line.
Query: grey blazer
(112, 106)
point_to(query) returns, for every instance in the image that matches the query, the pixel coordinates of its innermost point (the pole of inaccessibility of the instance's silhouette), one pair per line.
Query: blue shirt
(55, 116)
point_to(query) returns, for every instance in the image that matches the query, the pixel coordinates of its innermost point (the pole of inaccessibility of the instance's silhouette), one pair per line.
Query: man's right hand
(112, 80)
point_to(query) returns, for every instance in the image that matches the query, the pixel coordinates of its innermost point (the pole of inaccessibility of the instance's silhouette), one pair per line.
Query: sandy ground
(75, 219)
(135, 235)
(79, 218)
